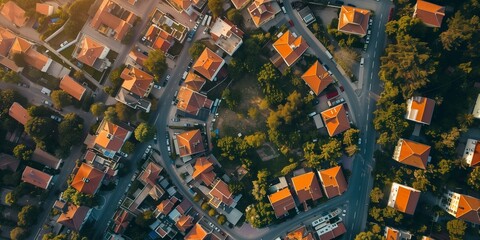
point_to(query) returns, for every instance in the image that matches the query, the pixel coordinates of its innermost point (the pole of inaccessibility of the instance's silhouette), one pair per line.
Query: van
(175, 95)
(312, 114)
(283, 10)
(362, 61)
(46, 91)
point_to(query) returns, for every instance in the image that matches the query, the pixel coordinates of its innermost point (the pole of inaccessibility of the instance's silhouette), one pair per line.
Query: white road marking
(378, 34)
(370, 87)
(371, 75)
(367, 116)
(379, 24)
(367, 128)
(375, 53)
(381, 16)
(355, 215)
(373, 65)
(376, 44)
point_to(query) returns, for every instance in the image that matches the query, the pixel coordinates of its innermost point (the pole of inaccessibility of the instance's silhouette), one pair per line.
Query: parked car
(123, 154)
(155, 138)
(175, 120)
(291, 23)
(56, 118)
(157, 86)
(187, 125)
(47, 103)
(23, 85)
(167, 77)
(315, 102)
(166, 135)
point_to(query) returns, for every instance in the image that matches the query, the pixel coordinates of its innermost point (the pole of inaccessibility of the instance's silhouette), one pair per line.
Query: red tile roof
(203, 170)
(111, 136)
(19, 113)
(88, 179)
(420, 110)
(37, 60)
(336, 120)
(151, 173)
(406, 199)
(469, 209)
(8, 162)
(165, 207)
(45, 158)
(184, 223)
(300, 233)
(239, 4)
(70, 86)
(412, 153)
(282, 201)
(184, 206)
(333, 181)
(36, 177)
(307, 187)
(392, 234)
(290, 47)
(6, 41)
(208, 64)
(14, 14)
(191, 102)
(317, 78)
(476, 155)
(262, 11)
(90, 50)
(164, 41)
(430, 14)
(353, 20)
(138, 57)
(196, 233)
(74, 217)
(104, 17)
(121, 220)
(339, 230)
(190, 142)
(137, 81)
(44, 9)
(221, 192)
(194, 82)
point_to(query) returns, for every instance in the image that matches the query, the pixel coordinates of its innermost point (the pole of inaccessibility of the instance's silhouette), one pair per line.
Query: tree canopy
(70, 130)
(196, 49)
(60, 99)
(156, 63)
(22, 152)
(216, 6)
(144, 132)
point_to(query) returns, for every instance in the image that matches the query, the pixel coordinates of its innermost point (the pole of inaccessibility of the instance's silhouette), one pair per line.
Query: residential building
(36, 177)
(150, 174)
(159, 38)
(164, 207)
(462, 206)
(100, 162)
(403, 198)
(331, 230)
(121, 220)
(6, 41)
(226, 35)
(472, 152)
(184, 223)
(282, 202)
(113, 20)
(317, 78)
(184, 207)
(132, 100)
(92, 53)
(192, 102)
(110, 138)
(430, 14)
(395, 234)
(73, 217)
(333, 181)
(239, 4)
(307, 15)
(137, 81)
(203, 171)
(353, 20)
(19, 113)
(46, 159)
(87, 179)
(290, 47)
(420, 110)
(138, 57)
(307, 187)
(194, 82)
(262, 11)
(196, 233)
(336, 120)
(190, 142)
(8, 162)
(12, 45)
(208, 64)
(186, 6)
(70, 86)
(412, 153)
(476, 109)
(300, 233)
(14, 14)
(220, 194)
(46, 9)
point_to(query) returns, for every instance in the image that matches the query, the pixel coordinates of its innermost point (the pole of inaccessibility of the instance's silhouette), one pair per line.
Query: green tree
(447, 141)
(40, 128)
(474, 179)
(22, 152)
(9, 76)
(376, 195)
(77, 198)
(205, 206)
(60, 99)
(236, 187)
(260, 186)
(196, 49)
(39, 111)
(311, 154)
(368, 236)
(461, 31)
(18, 233)
(144, 132)
(456, 229)
(421, 181)
(231, 98)
(259, 215)
(27, 216)
(406, 25)
(235, 16)
(70, 130)
(123, 112)
(212, 212)
(331, 150)
(227, 147)
(390, 122)
(7, 98)
(51, 236)
(216, 6)
(145, 219)
(110, 114)
(128, 147)
(289, 168)
(19, 59)
(256, 139)
(156, 63)
(97, 109)
(221, 219)
(253, 113)
(376, 213)
(350, 137)
(10, 198)
(444, 166)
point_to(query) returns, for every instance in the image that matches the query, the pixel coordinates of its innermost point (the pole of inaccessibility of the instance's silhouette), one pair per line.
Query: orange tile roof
(151, 173)
(137, 81)
(476, 155)
(196, 233)
(184, 4)
(152, 33)
(469, 209)
(413, 153)
(261, 11)
(45, 158)
(37, 60)
(333, 181)
(392, 234)
(208, 64)
(164, 41)
(44, 9)
(190, 142)
(282, 201)
(19, 113)
(421, 110)
(138, 57)
(6, 41)
(132, 2)
(121, 220)
(307, 187)
(20, 45)
(14, 14)
(89, 51)
(74, 217)
(300, 233)
(70, 86)
(290, 47)
(221, 192)
(203, 170)
(406, 200)
(165, 207)
(103, 17)
(184, 222)
(111, 136)
(239, 4)
(36, 177)
(333, 233)
(336, 120)
(430, 14)
(353, 20)
(8, 162)
(317, 78)
(191, 102)
(194, 82)
(88, 179)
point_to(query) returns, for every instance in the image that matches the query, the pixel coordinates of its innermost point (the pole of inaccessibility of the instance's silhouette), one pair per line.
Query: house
(164, 207)
(317, 78)
(420, 110)
(30, 55)
(476, 109)
(194, 82)
(150, 174)
(112, 20)
(158, 38)
(137, 81)
(403, 198)
(70, 86)
(394, 234)
(333, 181)
(138, 57)
(19, 113)
(110, 138)
(14, 14)
(121, 220)
(282, 202)
(290, 47)
(190, 142)
(87, 179)
(45, 9)
(430, 14)
(192, 102)
(184, 207)
(262, 11)
(412, 153)
(472, 152)
(92, 53)
(132, 100)
(36, 177)
(353, 20)
(239, 4)
(6, 41)
(185, 6)
(336, 120)
(203, 171)
(226, 35)
(331, 231)
(73, 217)
(184, 223)
(46, 159)
(196, 233)
(208, 64)
(462, 206)
(220, 194)
(300, 233)
(8, 162)
(307, 15)
(307, 187)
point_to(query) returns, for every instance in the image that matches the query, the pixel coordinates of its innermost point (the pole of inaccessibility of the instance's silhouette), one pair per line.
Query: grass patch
(59, 39)
(112, 56)
(68, 52)
(97, 75)
(176, 49)
(274, 166)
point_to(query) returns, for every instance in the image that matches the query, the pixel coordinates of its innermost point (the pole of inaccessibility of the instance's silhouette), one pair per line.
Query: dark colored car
(351, 5)
(339, 3)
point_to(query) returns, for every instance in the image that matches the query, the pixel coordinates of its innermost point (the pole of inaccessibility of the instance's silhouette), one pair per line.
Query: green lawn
(67, 52)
